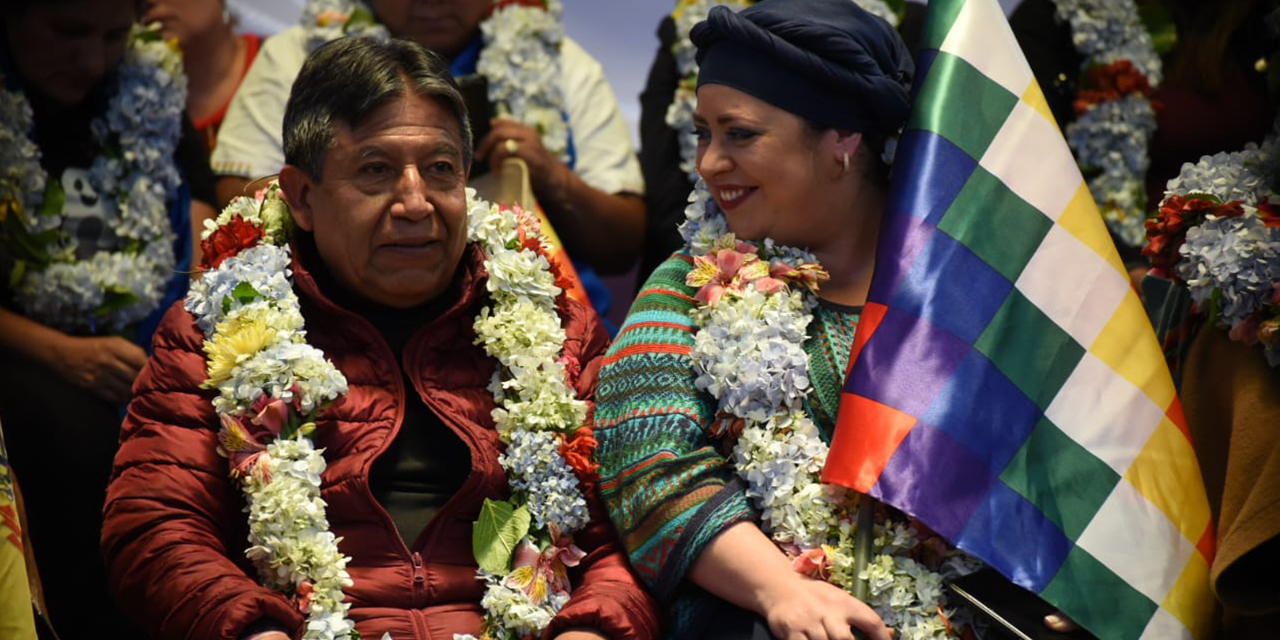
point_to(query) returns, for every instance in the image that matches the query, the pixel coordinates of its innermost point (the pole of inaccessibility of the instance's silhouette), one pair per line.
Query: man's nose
(410, 195)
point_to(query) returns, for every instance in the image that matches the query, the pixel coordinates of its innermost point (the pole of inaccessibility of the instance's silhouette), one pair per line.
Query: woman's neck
(848, 251)
(213, 64)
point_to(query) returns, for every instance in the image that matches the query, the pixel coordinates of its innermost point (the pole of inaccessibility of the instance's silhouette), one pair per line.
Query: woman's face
(763, 165)
(63, 49)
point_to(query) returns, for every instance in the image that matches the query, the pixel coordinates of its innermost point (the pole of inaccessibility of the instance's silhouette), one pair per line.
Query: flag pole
(862, 544)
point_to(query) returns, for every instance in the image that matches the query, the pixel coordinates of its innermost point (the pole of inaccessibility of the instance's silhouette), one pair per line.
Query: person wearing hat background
(796, 100)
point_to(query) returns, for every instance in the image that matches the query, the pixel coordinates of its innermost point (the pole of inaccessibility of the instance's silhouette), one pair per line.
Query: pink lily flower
(542, 573)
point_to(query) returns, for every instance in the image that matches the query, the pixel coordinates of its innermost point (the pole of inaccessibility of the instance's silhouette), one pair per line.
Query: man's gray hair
(347, 79)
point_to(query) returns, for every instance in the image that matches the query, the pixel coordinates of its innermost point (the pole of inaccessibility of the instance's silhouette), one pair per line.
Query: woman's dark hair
(347, 79)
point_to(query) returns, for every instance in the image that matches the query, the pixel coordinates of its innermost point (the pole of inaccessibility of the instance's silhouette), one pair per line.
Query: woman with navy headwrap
(797, 102)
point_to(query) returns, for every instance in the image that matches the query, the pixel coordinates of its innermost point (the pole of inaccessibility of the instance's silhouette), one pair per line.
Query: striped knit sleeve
(668, 490)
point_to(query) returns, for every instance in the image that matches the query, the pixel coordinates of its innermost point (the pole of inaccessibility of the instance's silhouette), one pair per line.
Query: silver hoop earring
(844, 159)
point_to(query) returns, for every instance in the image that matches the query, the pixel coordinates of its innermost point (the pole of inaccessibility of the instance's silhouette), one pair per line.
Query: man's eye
(442, 167)
(375, 168)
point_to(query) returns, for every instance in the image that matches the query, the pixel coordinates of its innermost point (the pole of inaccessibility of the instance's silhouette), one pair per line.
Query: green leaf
(23, 245)
(1159, 23)
(19, 270)
(359, 16)
(115, 298)
(244, 293)
(54, 199)
(496, 533)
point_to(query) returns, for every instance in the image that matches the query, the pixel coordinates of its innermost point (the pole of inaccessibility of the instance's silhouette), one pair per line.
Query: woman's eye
(740, 135)
(701, 134)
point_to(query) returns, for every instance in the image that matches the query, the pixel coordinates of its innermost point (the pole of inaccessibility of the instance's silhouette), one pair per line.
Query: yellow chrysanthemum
(236, 339)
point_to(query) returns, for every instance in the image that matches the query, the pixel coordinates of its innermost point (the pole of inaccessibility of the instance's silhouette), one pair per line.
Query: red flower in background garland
(1105, 83)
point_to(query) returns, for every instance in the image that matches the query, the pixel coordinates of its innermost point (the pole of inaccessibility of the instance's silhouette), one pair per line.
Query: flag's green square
(1033, 352)
(938, 23)
(997, 225)
(961, 104)
(1099, 599)
(1061, 478)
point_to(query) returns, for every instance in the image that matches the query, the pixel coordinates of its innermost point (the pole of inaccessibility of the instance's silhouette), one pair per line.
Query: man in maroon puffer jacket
(378, 150)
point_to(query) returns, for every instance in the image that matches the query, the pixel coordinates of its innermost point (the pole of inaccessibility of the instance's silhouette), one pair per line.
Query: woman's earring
(844, 159)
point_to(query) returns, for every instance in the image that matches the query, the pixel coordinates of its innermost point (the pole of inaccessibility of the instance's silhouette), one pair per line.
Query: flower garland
(134, 172)
(1218, 233)
(520, 58)
(273, 386)
(1115, 116)
(755, 308)
(690, 12)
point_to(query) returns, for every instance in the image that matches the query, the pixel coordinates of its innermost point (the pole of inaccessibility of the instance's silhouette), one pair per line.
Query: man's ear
(297, 187)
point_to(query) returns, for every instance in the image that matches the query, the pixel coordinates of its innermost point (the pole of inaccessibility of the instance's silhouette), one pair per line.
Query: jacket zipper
(419, 576)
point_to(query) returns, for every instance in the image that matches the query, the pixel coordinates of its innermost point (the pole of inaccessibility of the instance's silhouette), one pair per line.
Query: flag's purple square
(984, 411)
(945, 494)
(951, 287)
(902, 238)
(1012, 536)
(906, 363)
(939, 170)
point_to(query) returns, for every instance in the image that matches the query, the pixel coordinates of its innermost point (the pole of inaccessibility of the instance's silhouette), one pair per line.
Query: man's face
(443, 26)
(389, 214)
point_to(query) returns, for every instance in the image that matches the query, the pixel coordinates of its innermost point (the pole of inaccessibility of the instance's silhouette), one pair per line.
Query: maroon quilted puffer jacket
(175, 533)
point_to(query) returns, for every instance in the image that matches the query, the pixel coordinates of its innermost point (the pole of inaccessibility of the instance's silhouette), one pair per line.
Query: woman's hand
(801, 608)
(106, 366)
(742, 566)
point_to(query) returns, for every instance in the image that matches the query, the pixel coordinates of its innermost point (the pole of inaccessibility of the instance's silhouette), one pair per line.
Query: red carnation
(228, 240)
(1104, 83)
(1168, 229)
(577, 452)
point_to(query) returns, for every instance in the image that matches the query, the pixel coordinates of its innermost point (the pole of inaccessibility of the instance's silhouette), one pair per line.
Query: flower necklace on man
(134, 173)
(520, 58)
(755, 302)
(273, 386)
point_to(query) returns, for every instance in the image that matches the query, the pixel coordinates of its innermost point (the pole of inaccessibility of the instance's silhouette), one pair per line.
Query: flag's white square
(982, 37)
(1136, 540)
(1163, 626)
(1072, 285)
(1031, 158)
(1105, 413)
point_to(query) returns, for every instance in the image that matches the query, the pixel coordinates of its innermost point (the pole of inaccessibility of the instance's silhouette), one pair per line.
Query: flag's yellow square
(1190, 599)
(1166, 473)
(1128, 345)
(1034, 98)
(1082, 219)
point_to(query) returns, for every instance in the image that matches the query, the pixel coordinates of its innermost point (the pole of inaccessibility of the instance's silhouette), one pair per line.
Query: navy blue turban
(828, 61)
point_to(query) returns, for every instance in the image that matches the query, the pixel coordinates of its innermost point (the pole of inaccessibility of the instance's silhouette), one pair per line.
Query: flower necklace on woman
(520, 57)
(754, 312)
(57, 281)
(273, 386)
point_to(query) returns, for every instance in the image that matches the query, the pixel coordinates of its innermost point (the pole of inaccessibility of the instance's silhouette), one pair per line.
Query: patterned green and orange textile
(1006, 386)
